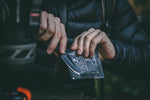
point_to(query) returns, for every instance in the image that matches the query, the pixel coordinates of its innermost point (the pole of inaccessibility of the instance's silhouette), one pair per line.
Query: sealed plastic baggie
(81, 67)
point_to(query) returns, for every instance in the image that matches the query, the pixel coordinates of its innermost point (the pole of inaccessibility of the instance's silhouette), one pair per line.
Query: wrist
(107, 51)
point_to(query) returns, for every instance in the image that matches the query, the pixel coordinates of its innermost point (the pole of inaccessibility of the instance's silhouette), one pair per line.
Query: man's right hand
(51, 27)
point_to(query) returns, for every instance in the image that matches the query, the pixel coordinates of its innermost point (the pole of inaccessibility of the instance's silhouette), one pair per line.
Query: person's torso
(80, 15)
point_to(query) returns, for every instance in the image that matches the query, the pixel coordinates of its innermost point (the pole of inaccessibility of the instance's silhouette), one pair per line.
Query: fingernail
(62, 51)
(49, 51)
(79, 52)
(85, 54)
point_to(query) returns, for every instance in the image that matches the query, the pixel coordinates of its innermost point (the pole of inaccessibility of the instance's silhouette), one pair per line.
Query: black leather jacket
(131, 42)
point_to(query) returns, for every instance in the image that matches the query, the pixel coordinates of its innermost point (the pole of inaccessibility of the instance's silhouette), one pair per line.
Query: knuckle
(58, 34)
(50, 15)
(75, 39)
(102, 32)
(44, 12)
(81, 37)
(57, 19)
(91, 29)
(62, 25)
(98, 30)
(84, 32)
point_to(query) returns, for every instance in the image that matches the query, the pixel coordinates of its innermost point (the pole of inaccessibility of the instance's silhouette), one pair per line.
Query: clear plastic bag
(81, 67)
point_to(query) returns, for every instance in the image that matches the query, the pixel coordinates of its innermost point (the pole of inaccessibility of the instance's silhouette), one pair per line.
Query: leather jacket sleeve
(133, 48)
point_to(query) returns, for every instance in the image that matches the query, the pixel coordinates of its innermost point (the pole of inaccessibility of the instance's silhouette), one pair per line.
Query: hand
(87, 42)
(51, 27)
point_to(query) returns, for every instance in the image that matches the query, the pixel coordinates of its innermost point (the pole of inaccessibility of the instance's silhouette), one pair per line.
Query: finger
(87, 40)
(51, 23)
(80, 44)
(43, 25)
(46, 37)
(56, 38)
(75, 42)
(63, 40)
(51, 28)
(53, 44)
(81, 40)
(94, 42)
